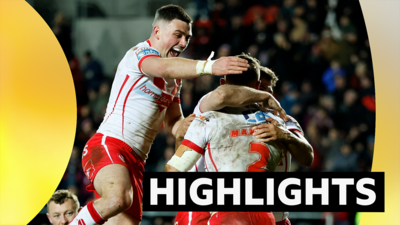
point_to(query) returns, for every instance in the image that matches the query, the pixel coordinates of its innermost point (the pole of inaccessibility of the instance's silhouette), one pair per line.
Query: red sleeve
(193, 146)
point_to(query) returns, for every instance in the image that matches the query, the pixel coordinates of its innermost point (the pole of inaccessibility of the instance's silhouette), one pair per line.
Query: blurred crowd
(319, 50)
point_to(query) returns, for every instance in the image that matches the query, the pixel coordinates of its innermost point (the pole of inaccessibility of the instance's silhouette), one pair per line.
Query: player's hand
(183, 127)
(229, 65)
(276, 106)
(273, 131)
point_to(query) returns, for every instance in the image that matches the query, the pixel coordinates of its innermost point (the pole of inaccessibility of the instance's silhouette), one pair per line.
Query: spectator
(93, 72)
(62, 207)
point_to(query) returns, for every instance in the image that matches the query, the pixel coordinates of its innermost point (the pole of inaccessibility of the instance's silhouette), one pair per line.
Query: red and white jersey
(138, 102)
(284, 165)
(227, 137)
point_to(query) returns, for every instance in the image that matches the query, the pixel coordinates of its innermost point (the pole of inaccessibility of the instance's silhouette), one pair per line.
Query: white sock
(87, 216)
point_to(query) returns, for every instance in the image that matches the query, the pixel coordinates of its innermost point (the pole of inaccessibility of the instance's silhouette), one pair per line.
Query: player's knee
(122, 201)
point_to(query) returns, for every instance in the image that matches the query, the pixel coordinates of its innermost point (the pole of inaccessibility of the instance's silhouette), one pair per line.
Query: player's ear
(156, 32)
(258, 85)
(48, 217)
(222, 81)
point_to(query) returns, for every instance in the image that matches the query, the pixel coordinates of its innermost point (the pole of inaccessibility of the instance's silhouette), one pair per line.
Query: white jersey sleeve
(197, 111)
(200, 132)
(142, 53)
(199, 166)
(293, 125)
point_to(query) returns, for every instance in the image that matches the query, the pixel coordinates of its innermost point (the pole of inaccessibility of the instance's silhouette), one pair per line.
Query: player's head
(172, 29)
(268, 79)
(62, 207)
(250, 78)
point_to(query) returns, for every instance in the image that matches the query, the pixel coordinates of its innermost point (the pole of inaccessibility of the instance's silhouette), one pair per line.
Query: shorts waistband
(125, 146)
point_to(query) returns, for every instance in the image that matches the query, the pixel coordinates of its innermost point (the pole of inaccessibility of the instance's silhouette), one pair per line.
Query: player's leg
(123, 218)
(113, 184)
(105, 162)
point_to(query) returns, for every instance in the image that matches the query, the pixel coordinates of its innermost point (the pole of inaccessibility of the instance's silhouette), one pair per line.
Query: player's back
(232, 146)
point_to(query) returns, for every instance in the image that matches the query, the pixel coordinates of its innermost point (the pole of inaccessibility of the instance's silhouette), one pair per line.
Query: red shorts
(283, 222)
(101, 151)
(192, 218)
(242, 218)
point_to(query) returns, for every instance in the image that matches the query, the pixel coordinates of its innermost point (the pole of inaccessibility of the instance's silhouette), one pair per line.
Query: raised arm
(180, 68)
(238, 96)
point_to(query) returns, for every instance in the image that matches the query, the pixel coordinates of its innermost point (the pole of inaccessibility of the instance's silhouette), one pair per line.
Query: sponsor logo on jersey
(201, 117)
(164, 101)
(142, 52)
(241, 132)
(154, 94)
(149, 91)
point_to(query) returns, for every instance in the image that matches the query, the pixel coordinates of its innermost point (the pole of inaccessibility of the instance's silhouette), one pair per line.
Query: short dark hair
(247, 78)
(268, 74)
(171, 12)
(60, 196)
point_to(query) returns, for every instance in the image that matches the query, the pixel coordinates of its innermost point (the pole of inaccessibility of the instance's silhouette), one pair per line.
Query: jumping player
(227, 136)
(144, 94)
(293, 141)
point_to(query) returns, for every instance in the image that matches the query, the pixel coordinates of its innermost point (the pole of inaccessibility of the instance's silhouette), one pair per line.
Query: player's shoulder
(292, 124)
(206, 116)
(143, 49)
(291, 119)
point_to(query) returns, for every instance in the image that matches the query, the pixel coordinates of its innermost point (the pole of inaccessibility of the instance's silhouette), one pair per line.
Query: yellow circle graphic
(382, 20)
(38, 112)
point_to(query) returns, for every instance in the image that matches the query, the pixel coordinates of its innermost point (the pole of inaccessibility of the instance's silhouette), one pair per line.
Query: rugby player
(62, 207)
(231, 147)
(293, 141)
(144, 95)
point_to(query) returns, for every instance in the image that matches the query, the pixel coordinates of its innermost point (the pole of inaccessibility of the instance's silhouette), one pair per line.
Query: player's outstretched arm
(183, 160)
(238, 96)
(180, 68)
(293, 141)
